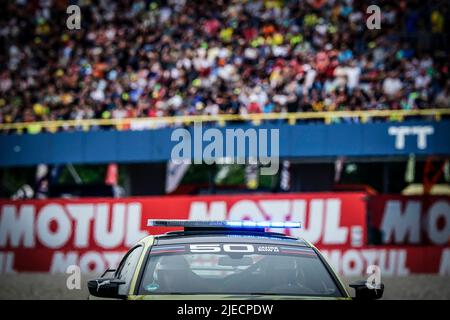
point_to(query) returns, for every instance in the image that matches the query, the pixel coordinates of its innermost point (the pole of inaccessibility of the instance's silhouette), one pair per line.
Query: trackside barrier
(256, 119)
(94, 233)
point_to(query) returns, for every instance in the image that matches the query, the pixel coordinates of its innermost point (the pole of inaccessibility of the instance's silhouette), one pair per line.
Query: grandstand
(179, 58)
(87, 118)
(146, 65)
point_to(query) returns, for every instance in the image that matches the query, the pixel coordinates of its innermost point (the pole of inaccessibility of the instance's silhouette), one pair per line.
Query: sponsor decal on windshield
(229, 248)
(167, 249)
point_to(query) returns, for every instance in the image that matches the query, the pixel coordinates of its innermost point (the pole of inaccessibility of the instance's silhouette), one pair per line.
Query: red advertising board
(392, 260)
(49, 235)
(415, 220)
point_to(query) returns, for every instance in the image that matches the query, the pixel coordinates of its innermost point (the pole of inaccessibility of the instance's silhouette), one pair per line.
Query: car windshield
(233, 268)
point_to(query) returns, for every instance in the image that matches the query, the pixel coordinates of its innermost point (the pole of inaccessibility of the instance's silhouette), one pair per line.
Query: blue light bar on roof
(221, 224)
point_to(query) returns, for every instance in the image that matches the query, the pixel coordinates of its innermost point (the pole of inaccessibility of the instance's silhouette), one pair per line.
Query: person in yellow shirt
(437, 22)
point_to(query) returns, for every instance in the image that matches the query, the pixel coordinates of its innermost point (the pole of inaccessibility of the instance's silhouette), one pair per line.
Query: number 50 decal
(234, 247)
(205, 247)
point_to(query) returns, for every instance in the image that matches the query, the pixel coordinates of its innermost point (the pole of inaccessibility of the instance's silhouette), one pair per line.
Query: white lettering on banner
(245, 209)
(55, 224)
(322, 222)
(422, 133)
(93, 262)
(440, 209)
(134, 232)
(113, 225)
(370, 256)
(387, 261)
(114, 237)
(277, 211)
(401, 263)
(354, 262)
(333, 233)
(89, 262)
(199, 210)
(7, 262)
(18, 228)
(401, 132)
(82, 214)
(444, 266)
(53, 238)
(397, 225)
(357, 236)
(311, 228)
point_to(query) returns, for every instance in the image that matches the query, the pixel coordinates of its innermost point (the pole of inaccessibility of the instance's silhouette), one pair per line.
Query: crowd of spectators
(179, 57)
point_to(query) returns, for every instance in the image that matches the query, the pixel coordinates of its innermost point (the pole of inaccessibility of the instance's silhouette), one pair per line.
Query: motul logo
(320, 218)
(354, 262)
(391, 261)
(410, 223)
(80, 225)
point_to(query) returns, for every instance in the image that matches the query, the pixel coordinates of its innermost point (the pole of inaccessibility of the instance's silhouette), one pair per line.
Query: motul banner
(50, 235)
(415, 220)
(392, 260)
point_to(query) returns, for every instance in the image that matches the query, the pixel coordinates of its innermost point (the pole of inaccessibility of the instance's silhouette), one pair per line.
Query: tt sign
(381, 139)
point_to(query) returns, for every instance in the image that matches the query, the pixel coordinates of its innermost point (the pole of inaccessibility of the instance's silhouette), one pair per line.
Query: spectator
(392, 86)
(167, 58)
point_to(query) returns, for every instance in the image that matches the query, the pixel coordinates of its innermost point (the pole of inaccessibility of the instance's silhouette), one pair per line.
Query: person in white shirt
(422, 80)
(392, 85)
(353, 74)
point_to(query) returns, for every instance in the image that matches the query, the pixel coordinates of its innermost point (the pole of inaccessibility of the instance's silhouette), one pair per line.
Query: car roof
(183, 237)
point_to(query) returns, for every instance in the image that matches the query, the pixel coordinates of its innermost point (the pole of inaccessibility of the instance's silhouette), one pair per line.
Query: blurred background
(87, 114)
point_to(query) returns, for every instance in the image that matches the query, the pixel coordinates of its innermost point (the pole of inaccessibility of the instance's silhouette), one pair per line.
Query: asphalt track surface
(45, 286)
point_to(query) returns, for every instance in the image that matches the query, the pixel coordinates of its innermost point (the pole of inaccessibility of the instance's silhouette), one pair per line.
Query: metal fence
(222, 119)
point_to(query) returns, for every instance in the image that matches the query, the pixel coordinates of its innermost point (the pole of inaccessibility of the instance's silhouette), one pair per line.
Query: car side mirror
(364, 292)
(105, 287)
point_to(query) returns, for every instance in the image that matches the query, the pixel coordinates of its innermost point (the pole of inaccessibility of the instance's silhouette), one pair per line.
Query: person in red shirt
(254, 107)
